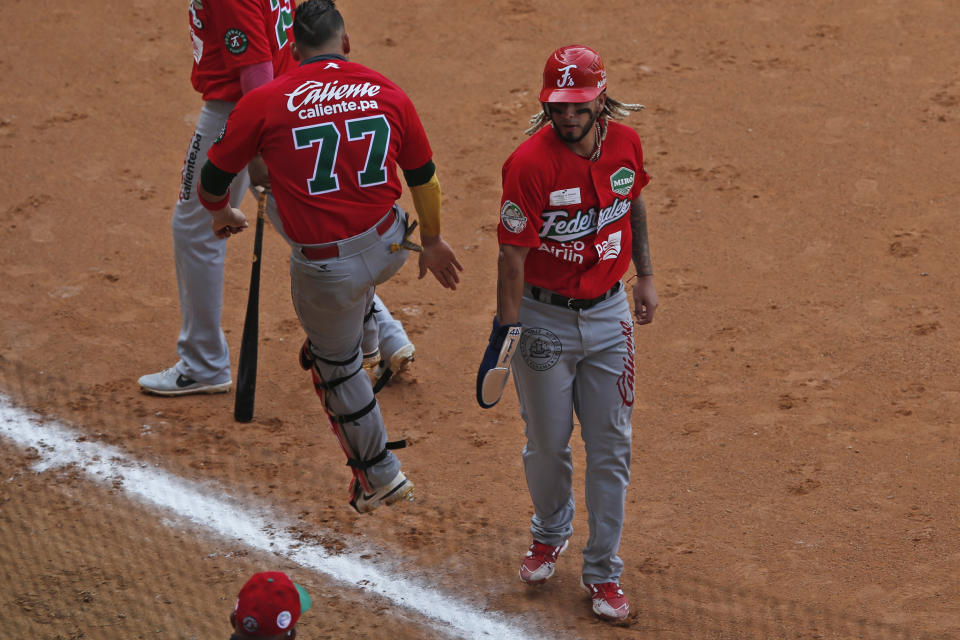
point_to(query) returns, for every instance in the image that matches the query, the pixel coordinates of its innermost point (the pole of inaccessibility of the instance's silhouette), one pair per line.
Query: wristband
(214, 206)
(426, 200)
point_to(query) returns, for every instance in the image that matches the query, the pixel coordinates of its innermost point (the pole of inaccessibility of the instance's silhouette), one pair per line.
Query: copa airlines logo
(314, 92)
(561, 226)
(567, 251)
(609, 249)
(566, 80)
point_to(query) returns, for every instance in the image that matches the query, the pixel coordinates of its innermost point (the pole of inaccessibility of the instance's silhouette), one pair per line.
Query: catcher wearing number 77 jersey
(332, 133)
(571, 220)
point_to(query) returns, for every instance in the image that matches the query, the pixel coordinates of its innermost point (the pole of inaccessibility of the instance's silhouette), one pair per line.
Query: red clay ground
(796, 449)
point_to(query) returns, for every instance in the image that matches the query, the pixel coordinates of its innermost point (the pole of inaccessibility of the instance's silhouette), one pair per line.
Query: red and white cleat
(540, 562)
(608, 600)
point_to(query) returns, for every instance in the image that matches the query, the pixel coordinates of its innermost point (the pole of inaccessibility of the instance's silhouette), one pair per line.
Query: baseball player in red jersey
(332, 133)
(571, 220)
(238, 45)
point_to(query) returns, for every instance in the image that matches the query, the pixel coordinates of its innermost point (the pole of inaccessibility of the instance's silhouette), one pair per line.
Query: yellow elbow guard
(426, 200)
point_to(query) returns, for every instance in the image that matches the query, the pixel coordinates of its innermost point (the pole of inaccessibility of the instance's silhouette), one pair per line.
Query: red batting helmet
(573, 74)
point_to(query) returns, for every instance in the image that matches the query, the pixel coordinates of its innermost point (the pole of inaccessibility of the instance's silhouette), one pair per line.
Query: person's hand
(259, 176)
(644, 299)
(439, 259)
(228, 221)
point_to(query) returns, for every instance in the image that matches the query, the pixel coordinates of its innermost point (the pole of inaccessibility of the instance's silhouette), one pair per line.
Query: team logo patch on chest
(512, 217)
(621, 181)
(540, 348)
(236, 41)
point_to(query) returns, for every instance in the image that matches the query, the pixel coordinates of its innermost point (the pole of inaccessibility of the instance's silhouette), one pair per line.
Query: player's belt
(577, 304)
(332, 249)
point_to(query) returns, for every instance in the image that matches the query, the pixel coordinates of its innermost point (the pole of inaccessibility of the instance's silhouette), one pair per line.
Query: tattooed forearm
(641, 244)
(510, 282)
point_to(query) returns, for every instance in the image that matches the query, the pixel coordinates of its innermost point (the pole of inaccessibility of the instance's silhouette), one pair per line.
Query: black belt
(577, 304)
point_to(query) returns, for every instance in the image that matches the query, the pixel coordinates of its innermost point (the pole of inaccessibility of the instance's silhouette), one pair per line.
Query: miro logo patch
(622, 181)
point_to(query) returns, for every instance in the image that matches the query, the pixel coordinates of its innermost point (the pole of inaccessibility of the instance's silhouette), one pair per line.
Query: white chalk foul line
(59, 446)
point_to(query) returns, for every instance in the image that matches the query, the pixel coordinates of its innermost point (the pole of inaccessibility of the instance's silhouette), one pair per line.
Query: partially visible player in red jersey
(332, 133)
(238, 45)
(571, 220)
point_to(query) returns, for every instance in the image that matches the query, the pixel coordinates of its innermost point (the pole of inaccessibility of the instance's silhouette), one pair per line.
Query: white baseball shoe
(394, 491)
(609, 602)
(171, 382)
(399, 362)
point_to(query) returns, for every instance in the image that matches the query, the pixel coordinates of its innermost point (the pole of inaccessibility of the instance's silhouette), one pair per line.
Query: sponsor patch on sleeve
(622, 181)
(236, 41)
(512, 217)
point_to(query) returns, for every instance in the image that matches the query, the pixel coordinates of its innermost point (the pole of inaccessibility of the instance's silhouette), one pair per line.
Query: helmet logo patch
(284, 620)
(566, 80)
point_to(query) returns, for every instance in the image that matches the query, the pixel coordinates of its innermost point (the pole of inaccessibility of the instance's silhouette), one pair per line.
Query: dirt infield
(796, 451)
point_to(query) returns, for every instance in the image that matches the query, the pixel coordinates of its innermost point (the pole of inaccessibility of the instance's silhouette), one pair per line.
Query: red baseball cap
(270, 603)
(573, 73)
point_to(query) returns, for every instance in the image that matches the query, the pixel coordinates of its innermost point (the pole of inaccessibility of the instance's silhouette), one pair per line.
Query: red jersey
(332, 133)
(574, 214)
(231, 34)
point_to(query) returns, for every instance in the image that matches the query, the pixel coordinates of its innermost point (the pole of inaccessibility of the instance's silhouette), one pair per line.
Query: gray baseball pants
(577, 362)
(199, 257)
(331, 298)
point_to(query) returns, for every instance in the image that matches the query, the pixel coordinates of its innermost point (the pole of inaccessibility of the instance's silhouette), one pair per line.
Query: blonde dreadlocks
(611, 109)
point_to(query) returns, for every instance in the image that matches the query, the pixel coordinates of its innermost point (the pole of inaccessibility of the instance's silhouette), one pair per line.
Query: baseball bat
(247, 367)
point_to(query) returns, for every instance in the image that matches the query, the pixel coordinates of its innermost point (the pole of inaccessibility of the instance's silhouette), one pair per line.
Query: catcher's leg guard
(340, 389)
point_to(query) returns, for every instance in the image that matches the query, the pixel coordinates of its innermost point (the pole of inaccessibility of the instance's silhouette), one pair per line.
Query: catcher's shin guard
(358, 466)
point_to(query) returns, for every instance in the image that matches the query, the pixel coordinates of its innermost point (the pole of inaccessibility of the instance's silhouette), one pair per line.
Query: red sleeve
(240, 139)
(243, 32)
(643, 178)
(638, 184)
(415, 149)
(525, 195)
